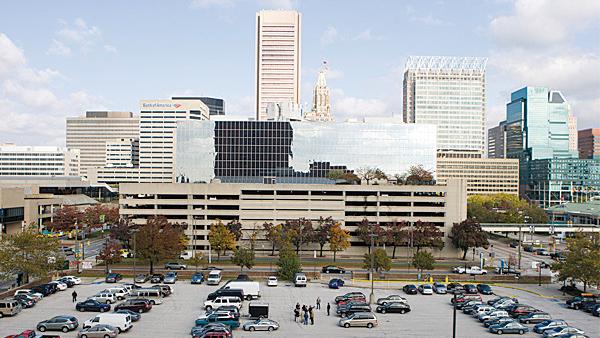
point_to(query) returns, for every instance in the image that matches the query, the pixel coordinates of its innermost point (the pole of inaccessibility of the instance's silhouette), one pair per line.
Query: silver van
(367, 319)
(155, 296)
(9, 307)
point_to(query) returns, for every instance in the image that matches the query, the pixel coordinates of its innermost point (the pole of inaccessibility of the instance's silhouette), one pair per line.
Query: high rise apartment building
(277, 59)
(449, 92)
(38, 161)
(589, 143)
(91, 132)
(497, 141)
(321, 108)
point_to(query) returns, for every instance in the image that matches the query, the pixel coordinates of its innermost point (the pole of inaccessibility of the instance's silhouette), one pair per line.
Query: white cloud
(212, 3)
(240, 106)
(278, 4)
(329, 36)
(11, 57)
(537, 23)
(59, 48)
(43, 76)
(110, 48)
(366, 35)
(344, 106)
(77, 36)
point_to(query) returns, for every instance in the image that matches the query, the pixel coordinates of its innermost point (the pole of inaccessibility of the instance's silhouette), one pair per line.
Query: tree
(272, 234)
(253, 237)
(423, 261)
(157, 240)
(243, 257)
(65, 218)
(504, 208)
(236, 229)
(122, 231)
(196, 260)
(344, 175)
(339, 239)
(97, 215)
(381, 261)
(27, 252)
(288, 262)
(323, 232)
(298, 232)
(426, 235)
(396, 234)
(364, 231)
(468, 234)
(368, 174)
(111, 253)
(418, 175)
(582, 260)
(221, 239)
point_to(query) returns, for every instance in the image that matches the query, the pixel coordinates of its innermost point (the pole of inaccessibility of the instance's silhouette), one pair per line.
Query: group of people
(308, 312)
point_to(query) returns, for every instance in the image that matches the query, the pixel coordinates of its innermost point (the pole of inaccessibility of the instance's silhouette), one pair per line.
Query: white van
(251, 289)
(214, 277)
(119, 292)
(119, 320)
(223, 301)
(299, 279)
(154, 295)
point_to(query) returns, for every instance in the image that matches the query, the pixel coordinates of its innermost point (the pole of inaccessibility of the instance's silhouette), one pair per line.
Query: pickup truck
(474, 270)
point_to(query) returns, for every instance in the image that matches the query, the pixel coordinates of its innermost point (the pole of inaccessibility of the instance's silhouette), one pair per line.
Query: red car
(355, 299)
(31, 334)
(217, 335)
(466, 298)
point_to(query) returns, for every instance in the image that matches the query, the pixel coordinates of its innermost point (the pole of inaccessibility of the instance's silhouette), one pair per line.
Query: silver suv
(175, 266)
(58, 323)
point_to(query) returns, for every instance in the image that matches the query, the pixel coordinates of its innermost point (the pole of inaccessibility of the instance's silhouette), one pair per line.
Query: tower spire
(321, 108)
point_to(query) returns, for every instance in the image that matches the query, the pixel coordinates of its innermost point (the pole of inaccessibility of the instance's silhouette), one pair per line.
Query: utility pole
(371, 296)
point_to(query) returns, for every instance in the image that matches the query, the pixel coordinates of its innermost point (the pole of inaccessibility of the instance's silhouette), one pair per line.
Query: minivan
(367, 319)
(214, 277)
(9, 307)
(119, 320)
(299, 279)
(154, 295)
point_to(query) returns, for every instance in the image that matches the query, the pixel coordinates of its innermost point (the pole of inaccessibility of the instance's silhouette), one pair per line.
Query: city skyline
(78, 57)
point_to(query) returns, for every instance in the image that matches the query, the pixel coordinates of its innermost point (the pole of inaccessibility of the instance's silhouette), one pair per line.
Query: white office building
(449, 92)
(123, 152)
(38, 161)
(277, 59)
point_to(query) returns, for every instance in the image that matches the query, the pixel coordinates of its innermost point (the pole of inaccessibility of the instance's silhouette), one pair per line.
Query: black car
(26, 303)
(346, 311)
(577, 302)
(455, 288)
(534, 318)
(470, 289)
(332, 269)
(92, 305)
(596, 310)
(164, 289)
(394, 307)
(243, 277)
(589, 305)
(157, 278)
(410, 289)
(44, 289)
(67, 281)
(529, 248)
(226, 292)
(484, 289)
(113, 277)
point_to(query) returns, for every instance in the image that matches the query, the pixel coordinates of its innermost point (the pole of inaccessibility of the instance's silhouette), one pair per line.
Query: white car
(119, 292)
(28, 292)
(426, 289)
(272, 281)
(223, 301)
(60, 286)
(74, 279)
(474, 270)
(104, 297)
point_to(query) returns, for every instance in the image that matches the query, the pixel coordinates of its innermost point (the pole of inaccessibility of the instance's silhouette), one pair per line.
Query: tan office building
(589, 143)
(483, 175)
(277, 59)
(200, 205)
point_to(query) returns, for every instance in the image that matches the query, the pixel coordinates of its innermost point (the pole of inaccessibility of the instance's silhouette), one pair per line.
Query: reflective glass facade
(298, 152)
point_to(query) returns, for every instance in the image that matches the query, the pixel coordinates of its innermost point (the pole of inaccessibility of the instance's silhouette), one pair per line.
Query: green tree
(236, 229)
(339, 239)
(504, 208)
(343, 175)
(288, 263)
(468, 234)
(158, 240)
(396, 234)
(221, 239)
(423, 260)
(381, 261)
(298, 232)
(243, 257)
(110, 254)
(196, 260)
(27, 252)
(272, 234)
(418, 175)
(582, 260)
(323, 232)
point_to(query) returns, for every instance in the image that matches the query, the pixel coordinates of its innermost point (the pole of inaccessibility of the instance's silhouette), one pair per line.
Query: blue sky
(60, 58)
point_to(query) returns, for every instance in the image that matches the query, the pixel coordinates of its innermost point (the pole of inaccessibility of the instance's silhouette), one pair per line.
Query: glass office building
(298, 151)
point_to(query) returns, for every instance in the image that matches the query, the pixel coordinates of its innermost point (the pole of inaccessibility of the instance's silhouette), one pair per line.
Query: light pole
(134, 231)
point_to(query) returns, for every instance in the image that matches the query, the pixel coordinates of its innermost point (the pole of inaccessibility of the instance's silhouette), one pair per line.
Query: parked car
(141, 278)
(465, 298)
(170, 278)
(484, 289)
(391, 299)
(493, 314)
(366, 319)
(243, 277)
(468, 307)
(175, 266)
(272, 281)
(410, 289)
(342, 306)
(426, 289)
(439, 288)
(104, 297)
(67, 282)
(509, 327)
(473, 270)
(336, 283)
(135, 316)
(549, 324)
(542, 252)
(99, 331)
(505, 304)
(332, 269)
(534, 317)
(216, 330)
(92, 305)
(60, 286)
(455, 288)
(348, 296)
(197, 278)
(497, 299)
(470, 289)
(25, 301)
(499, 320)
(74, 279)
(225, 318)
(113, 277)
(394, 307)
(223, 300)
(157, 278)
(346, 311)
(58, 323)
(234, 310)
(596, 311)
(44, 289)
(136, 305)
(355, 300)
(36, 295)
(518, 310)
(561, 331)
(263, 324)
(588, 306)
(164, 289)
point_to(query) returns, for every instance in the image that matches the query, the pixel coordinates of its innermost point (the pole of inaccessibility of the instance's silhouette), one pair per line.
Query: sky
(61, 58)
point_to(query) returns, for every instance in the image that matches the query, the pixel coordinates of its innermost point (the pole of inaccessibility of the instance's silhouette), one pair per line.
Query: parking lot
(431, 316)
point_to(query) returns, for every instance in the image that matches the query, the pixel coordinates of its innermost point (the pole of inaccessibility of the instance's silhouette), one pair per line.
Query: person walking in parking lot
(312, 315)
(74, 294)
(318, 303)
(328, 308)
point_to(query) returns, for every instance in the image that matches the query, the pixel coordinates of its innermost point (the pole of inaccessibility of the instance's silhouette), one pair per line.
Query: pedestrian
(328, 308)
(296, 314)
(305, 318)
(318, 303)
(312, 316)
(304, 309)
(298, 306)
(74, 294)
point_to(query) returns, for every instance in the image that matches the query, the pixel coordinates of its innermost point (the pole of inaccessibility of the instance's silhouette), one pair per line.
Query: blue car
(336, 283)
(197, 278)
(92, 305)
